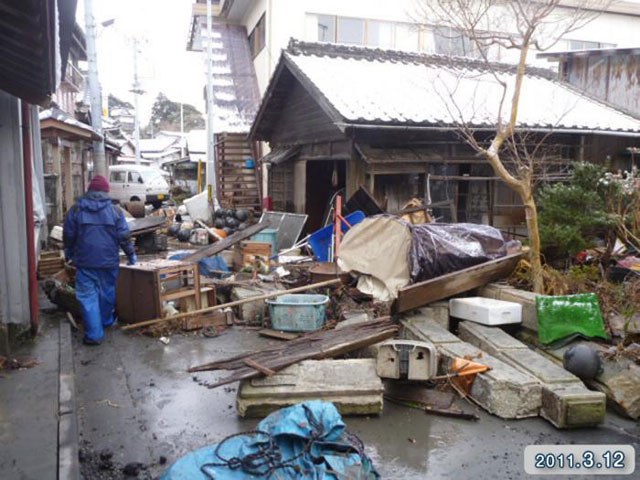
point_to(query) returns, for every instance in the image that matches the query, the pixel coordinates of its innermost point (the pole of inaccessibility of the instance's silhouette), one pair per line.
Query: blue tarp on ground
(306, 441)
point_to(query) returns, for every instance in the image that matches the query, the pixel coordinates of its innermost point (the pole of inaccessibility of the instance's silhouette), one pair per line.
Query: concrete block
(352, 385)
(510, 294)
(503, 390)
(438, 312)
(619, 381)
(423, 327)
(566, 402)
(252, 313)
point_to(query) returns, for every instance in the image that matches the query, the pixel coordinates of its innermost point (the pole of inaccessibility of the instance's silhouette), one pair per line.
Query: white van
(130, 183)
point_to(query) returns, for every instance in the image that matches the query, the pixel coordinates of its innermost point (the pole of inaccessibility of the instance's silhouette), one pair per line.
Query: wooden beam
(225, 243)
(454, 283)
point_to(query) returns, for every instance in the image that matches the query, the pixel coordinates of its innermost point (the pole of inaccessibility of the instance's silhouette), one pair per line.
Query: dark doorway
(320, 189)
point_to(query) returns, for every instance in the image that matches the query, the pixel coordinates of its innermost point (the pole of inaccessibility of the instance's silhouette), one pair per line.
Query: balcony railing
(74, 77)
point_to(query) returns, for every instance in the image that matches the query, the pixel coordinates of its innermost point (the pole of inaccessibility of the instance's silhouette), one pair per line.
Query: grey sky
(164, 64)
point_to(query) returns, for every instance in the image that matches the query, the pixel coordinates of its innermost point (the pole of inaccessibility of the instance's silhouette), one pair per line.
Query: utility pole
(136, 90)
(181, 130)
(99, 160)
(211, 154)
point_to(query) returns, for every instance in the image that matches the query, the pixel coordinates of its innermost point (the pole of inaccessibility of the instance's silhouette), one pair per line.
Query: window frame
(334, 18)
(112, 178)
(364, 30)
(258, 36)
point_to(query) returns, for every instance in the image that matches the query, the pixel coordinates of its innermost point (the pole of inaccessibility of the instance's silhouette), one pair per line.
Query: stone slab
(352, 385)
(503, 391)
(437, 312)
(566, 402)
(423, 326)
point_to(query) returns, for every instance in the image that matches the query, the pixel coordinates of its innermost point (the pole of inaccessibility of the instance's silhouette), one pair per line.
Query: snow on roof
(55, 113)
(158, 144)
(366, 85)
(197, 141)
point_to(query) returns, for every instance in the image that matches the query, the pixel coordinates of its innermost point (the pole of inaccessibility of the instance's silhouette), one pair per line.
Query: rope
(268, 459)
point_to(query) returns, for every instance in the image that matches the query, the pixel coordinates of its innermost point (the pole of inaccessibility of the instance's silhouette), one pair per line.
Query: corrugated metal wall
(14, 283)
(615, 79)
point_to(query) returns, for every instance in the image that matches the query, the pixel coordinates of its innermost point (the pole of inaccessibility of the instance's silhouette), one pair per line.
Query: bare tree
(513, 25)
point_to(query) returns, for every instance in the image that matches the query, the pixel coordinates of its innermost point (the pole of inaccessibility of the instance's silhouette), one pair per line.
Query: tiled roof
(373, 86)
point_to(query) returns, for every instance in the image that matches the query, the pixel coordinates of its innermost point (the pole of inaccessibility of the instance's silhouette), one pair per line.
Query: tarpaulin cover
(439, 248)
(567, 316)
(208, 266)
(390, 253)
(306, 441)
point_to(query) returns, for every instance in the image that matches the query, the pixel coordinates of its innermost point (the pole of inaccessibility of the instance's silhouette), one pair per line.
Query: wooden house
(339, 117)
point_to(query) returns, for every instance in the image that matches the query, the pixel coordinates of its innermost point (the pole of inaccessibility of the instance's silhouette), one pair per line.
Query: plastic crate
(298, 313)
(268, 235)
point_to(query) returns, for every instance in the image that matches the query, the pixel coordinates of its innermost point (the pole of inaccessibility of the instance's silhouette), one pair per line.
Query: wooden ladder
(238, 186)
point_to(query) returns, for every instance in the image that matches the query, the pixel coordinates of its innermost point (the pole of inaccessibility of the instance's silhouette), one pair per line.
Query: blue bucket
(298, 313)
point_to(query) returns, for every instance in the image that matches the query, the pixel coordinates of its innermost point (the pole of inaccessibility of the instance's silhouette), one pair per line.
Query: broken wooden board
(226, 243)
(351, 385)
(277, 334)
(214, 319)
(143, 225)
(429, 291)
(312, 346)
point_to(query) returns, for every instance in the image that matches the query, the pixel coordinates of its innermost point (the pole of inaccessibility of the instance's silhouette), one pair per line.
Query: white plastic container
(485, 311)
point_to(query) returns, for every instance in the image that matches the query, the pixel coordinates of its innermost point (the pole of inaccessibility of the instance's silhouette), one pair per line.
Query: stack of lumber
(313, 346)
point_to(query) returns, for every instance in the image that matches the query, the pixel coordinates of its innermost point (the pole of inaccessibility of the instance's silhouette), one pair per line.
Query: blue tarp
(306, 441)
(207, 265)
(320, 241)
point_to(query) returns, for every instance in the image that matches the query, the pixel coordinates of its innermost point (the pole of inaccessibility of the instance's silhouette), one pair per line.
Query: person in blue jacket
(94, 232)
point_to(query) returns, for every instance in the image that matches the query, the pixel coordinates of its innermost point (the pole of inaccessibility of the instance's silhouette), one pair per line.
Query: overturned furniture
(144, 289)
(352, 385)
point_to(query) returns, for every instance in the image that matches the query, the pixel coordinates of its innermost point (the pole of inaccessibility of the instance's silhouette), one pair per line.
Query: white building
(387, 24)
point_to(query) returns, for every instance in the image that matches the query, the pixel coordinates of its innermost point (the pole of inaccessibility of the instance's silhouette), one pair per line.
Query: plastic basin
(298, 313)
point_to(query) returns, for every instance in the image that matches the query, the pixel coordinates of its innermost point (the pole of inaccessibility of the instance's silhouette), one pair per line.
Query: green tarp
(567, 316)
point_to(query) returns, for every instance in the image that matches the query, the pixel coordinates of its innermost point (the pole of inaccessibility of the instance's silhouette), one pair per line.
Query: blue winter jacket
(93, 232)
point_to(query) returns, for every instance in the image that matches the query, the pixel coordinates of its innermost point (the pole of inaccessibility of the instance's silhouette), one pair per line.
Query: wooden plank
(226, 243)
(216, 319)
(312, 346)
(454, 283)
(277, 334)
(261, 368)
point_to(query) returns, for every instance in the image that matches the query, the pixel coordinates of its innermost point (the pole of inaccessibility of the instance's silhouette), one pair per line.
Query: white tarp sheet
(379, 249)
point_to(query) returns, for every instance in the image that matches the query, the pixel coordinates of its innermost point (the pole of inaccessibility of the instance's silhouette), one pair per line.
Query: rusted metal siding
(613, 78)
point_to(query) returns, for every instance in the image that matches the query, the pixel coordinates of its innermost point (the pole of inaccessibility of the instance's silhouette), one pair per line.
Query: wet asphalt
(137, 401)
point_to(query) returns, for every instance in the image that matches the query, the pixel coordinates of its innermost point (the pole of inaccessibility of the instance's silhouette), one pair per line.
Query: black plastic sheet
(440, 248)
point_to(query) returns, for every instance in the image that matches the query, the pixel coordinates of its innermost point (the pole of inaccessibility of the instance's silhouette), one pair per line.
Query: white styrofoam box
(410, 359)
(486, 311)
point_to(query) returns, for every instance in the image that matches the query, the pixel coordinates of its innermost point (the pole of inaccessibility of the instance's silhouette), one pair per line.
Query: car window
(118, 177)
(135, 177)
